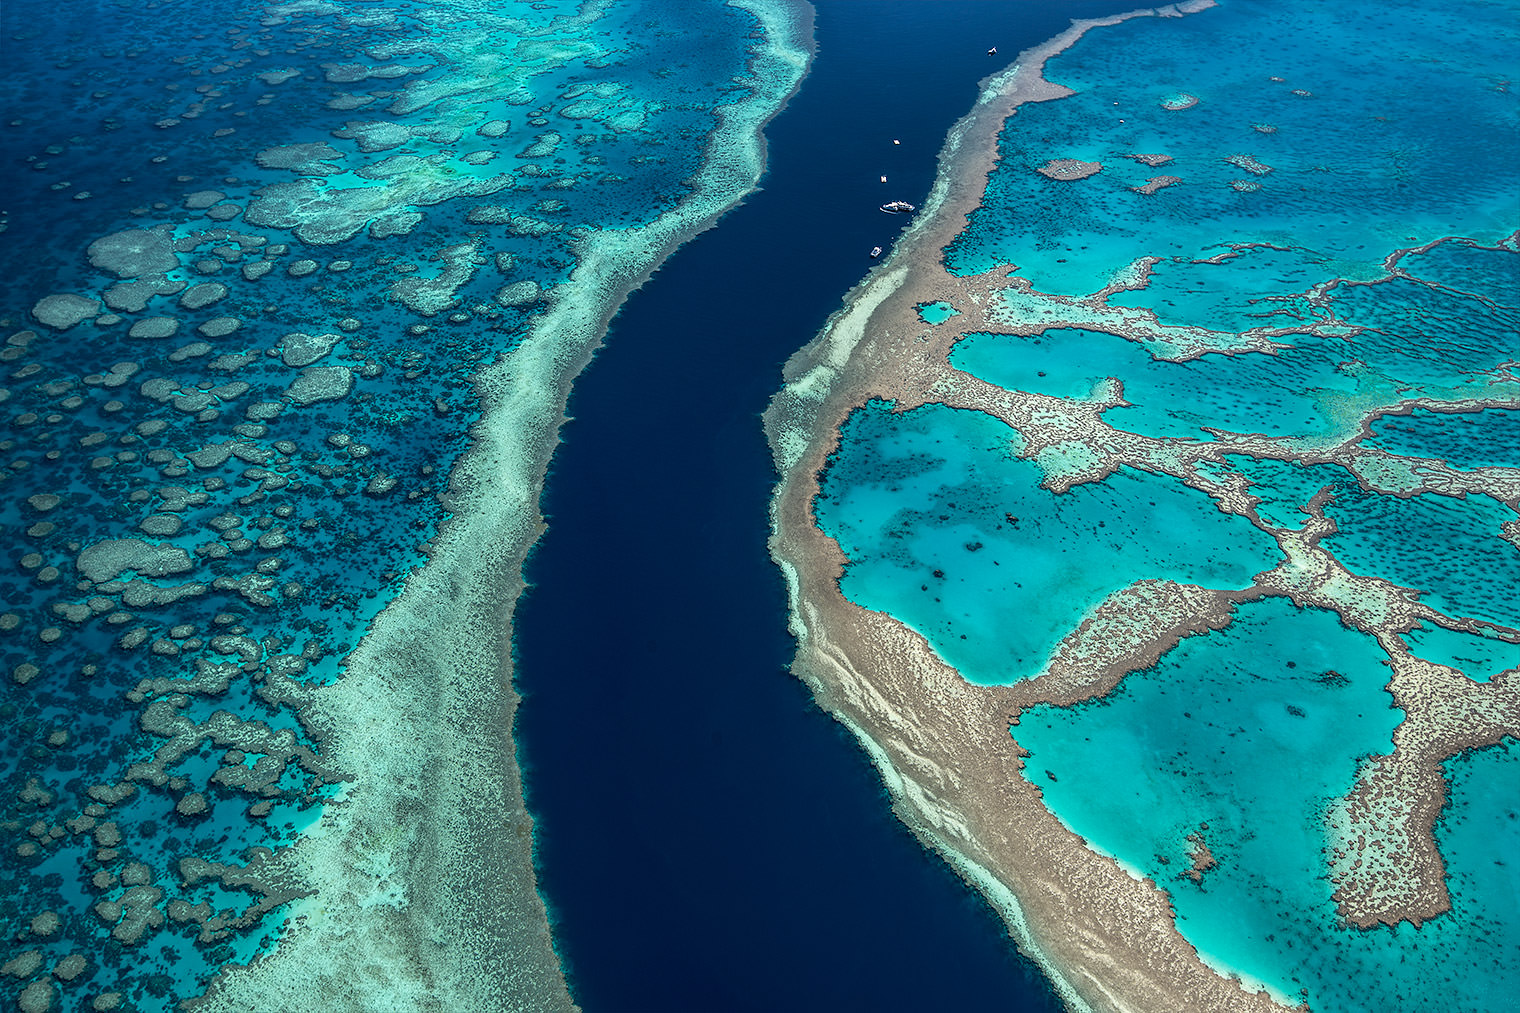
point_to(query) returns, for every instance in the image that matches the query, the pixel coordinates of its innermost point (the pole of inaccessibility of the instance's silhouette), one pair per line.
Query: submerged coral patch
(301, 349)
(133, 253)
(63, 311)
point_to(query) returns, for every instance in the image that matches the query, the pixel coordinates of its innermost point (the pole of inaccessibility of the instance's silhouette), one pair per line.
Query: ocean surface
(709, 839)
(1330, 291)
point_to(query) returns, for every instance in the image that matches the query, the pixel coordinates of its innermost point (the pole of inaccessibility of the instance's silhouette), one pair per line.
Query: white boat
(898, 207)
(875, 252)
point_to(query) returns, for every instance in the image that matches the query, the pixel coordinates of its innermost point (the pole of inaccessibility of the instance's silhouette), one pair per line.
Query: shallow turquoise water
(1412, 337)
(936, 312)
(1423, 334)
(1251, 392)
(1488, 273)
(1341, 157)
(1479, 835)
(1247, 730)
(1483, 439)
(1284, 488)
(1448, 548)
(1479, 657)
(1232, 295)
(949, 531)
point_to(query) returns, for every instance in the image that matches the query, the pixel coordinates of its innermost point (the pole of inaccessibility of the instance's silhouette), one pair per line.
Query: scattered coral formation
(230, 453)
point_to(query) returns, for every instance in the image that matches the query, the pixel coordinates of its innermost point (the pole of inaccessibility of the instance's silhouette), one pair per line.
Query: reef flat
(291, 324)
(1104, 534)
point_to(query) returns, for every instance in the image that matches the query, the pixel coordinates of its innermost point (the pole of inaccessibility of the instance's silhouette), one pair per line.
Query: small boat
(875, 252)
(992, 51)
(897, 207)
(883, 179)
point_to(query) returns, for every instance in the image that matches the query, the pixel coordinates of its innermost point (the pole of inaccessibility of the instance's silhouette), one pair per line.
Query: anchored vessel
(897, 207)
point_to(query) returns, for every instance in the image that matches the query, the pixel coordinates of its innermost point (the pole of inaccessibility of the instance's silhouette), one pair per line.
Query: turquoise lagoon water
(1356, 170)
(950, 531)
(936, 312)
(1420, 334)
(1477, 655)
(1447, 547)
(1392, 127)
(1274, 395)
(1465, 266)
(1254, 730)
(1284, 488)
(1228, 295)
(1411, 337)
(458, 164)
(1482, 439)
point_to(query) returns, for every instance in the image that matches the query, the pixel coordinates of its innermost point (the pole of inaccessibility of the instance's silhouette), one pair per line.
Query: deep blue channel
(708, 839)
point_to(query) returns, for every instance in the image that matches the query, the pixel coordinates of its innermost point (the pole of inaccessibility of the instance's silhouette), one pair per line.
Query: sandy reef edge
(1106, 940)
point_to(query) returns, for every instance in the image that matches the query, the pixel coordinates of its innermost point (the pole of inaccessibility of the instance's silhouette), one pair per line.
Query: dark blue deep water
(708, 838)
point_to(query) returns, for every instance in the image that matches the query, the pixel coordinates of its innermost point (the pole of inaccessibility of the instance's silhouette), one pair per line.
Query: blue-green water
(950, 531)
(936, 312)
(1232, 294)
(1482, 439)
(1411, 336)
(1355, 171)
(1254, 730)
(1249, 392)
(1448, 548)
(1478, 655)
(1284, 488)
(1464, 266)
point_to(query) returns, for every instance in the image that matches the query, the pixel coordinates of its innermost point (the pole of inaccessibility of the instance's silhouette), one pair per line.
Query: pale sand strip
(424, 892)
(1106, 938)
